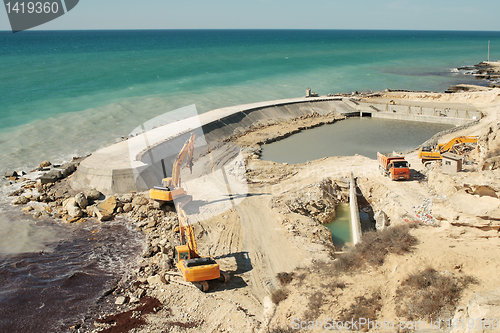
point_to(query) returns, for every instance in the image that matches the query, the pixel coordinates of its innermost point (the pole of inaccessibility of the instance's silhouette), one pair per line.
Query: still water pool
(363, 136)
(341, 226)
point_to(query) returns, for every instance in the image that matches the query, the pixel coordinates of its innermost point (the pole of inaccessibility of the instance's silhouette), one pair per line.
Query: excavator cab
(195, 268)
(181, 252)
(170, 188)
(165, 183)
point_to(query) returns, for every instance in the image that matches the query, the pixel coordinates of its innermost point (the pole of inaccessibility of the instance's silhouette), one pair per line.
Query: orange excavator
(193, 267)
(170, 188)
(427, 154)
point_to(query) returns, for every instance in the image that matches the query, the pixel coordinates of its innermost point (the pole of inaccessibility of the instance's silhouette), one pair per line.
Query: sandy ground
(254, 239)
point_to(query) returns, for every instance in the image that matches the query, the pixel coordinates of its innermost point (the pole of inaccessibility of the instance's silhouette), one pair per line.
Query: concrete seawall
(139, 163)
(353, 203)
(438, 115)
(421, 118)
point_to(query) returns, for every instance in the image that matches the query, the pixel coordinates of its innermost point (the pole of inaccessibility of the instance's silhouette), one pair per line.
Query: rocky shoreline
(484, 70)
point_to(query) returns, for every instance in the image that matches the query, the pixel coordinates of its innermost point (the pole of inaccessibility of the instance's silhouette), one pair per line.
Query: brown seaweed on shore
(125, 321)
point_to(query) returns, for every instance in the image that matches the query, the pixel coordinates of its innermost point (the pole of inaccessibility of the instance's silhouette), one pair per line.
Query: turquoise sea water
(66, 93)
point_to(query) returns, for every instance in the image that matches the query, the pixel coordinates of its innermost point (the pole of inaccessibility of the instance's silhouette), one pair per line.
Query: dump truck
(428, 154)
(393, 166)
(193, 267)
(170, 188)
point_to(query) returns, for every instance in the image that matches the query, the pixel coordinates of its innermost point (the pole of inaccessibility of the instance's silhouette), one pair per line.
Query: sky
(277, 14)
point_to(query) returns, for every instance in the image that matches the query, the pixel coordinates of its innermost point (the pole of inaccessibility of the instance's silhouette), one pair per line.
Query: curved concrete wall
(136, 164)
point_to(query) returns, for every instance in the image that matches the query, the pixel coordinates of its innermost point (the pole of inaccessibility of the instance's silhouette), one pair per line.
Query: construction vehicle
(170, 188)
(393, 166)
(428, 154)
(193, 267)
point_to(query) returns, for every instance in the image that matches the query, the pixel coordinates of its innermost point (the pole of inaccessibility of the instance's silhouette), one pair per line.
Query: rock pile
(315, 205)
(317, 200)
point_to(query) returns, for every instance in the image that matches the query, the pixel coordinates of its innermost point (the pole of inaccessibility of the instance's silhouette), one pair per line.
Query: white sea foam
(23, 235)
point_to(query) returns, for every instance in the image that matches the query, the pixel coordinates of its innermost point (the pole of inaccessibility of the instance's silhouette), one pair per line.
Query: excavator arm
(460, 139)
(187, 232)
(427, 154)
(188, 150)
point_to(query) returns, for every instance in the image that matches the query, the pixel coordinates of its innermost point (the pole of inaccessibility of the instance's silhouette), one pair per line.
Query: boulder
(66, 169)
(10, 174)
(72, 207)
(134, 300)
(120, 300)
(45, 164)
(140, 201)
(81, 200)
(51, 177)
(101, 215)
(491, 163)
(92, 194)
(127, 207)
(104, 210)
(16, 193)
(22, 200)
(139, 293)
(27, 209)
(155, 280)
(158, 204)
(109, 204)
(126, 198)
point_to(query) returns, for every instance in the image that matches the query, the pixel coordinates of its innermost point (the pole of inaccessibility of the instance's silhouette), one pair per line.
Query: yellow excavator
(427, 154)
(170, 188)
(193, 267)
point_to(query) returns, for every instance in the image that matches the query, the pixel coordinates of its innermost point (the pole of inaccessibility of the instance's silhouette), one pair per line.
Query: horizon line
(252, 29)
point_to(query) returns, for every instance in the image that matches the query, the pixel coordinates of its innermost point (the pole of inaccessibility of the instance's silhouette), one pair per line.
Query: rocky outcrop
(317, 200)
(490, 163)
(483, 310)
(57, 172)
(488, 147)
